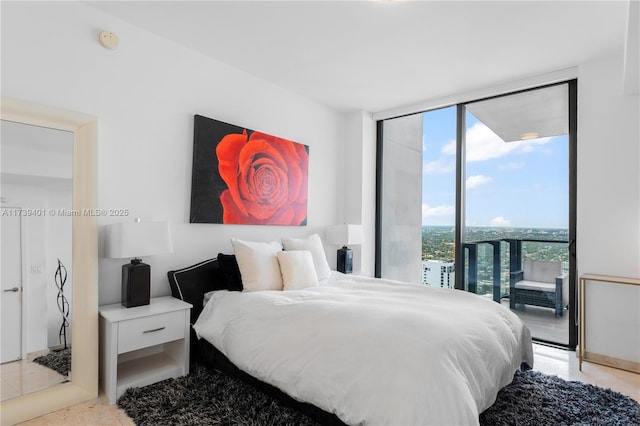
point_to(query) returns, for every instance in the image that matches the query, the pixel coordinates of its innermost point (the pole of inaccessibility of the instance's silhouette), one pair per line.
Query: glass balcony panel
(488, 269)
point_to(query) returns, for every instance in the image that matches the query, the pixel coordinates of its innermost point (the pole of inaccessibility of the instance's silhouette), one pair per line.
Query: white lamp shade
(344, 234)
(137, 239)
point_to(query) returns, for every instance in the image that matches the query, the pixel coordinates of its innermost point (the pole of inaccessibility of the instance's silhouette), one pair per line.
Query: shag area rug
(59, 361)
(209, 397)
(534, 398)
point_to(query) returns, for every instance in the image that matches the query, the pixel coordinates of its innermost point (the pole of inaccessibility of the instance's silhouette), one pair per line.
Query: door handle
(13, 290)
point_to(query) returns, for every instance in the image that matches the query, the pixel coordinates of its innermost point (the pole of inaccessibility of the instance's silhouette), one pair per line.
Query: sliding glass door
(488, 187)
(516, 214)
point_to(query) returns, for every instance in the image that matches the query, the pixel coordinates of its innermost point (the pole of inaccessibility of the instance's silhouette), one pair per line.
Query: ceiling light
(529, 136)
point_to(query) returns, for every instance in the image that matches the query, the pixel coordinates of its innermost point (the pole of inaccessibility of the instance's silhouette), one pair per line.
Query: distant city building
(438, 273)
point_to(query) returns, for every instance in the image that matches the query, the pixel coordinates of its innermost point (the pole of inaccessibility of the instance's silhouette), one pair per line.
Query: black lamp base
(345, 260)
(136, 284)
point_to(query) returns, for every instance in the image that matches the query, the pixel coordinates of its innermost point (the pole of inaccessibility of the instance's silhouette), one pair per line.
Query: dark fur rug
(534, 398)
(59, 361)
(208, 397)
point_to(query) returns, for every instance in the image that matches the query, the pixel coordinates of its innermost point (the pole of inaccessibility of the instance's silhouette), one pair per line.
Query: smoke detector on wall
(109, 40)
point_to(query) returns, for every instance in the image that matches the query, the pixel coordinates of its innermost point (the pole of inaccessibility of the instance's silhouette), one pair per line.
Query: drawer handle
(155, 329)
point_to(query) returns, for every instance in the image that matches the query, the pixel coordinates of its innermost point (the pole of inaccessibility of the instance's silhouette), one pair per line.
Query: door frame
(26, 288)
(573, 213)
(569, 77)
(572, 89)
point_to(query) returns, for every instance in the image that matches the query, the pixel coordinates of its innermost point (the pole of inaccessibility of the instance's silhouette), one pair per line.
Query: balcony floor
(543, 323)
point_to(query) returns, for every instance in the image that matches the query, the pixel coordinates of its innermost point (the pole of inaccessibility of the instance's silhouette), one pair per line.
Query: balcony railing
(503, 264)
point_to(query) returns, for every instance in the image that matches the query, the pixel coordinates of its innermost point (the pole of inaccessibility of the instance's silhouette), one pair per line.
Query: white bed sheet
(373, 351)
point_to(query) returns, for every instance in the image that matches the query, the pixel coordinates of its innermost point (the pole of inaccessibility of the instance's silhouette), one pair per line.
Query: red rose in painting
(266, 177)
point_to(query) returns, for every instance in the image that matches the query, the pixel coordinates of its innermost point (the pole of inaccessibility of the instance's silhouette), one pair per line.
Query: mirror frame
(84, 332)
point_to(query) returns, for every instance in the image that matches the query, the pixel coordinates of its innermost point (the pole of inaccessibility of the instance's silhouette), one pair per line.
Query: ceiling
(379, 55)
(539, 113)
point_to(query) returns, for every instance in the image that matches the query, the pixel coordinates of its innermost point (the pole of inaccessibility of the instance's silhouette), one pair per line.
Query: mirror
(36, 177)
(80, 264)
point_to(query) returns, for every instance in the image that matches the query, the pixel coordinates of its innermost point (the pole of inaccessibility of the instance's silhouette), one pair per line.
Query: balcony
(492, 268)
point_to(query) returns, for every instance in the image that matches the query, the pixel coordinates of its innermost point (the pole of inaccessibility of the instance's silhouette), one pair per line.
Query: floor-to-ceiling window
(516, 195)
(492, 199)
(438, 197)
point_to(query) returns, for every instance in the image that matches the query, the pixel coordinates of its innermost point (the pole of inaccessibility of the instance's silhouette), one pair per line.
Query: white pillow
(297, 269)
(313, 243)
(258, 264)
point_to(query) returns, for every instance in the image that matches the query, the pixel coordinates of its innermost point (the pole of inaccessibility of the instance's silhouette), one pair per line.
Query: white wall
(145, 94)
(608, 223)
(368, 194)
(358, 156)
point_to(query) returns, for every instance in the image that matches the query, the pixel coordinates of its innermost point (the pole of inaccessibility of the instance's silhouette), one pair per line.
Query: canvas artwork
(244, 177)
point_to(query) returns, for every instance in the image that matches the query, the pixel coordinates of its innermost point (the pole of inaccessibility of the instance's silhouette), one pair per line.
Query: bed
(357, 350)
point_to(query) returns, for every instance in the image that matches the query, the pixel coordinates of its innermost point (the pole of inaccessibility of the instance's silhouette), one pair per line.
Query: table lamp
(134, 240)
(345, 235)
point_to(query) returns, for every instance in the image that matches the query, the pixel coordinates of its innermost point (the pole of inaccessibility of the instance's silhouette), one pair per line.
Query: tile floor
(24, 376)
(548, 360)
(564, 364)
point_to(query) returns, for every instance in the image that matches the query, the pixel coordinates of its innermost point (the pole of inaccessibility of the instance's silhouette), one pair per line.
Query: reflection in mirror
(37, 201)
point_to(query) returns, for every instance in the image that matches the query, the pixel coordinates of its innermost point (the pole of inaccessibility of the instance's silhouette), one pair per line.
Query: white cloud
(511, 166)
(440, 166)
(477, 181)
(483, 144)
(499, 221)
(443, 210)
(449, 148)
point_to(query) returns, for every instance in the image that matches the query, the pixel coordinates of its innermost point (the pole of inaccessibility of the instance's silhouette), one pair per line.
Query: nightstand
(143, 345)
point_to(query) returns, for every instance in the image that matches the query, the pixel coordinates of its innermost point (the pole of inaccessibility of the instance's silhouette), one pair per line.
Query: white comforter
(373, 351)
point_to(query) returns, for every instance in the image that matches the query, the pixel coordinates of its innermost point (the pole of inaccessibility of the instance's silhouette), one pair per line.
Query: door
(517, 207)
(11, 285)
(497, 181)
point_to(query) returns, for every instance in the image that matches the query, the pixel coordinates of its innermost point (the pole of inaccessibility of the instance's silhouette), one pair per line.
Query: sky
(523, 184)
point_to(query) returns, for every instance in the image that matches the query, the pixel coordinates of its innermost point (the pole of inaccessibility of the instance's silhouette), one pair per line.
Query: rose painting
(241, 176)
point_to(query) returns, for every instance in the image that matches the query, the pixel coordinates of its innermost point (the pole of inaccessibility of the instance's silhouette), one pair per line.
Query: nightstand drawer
(129, 357)
(149, 331)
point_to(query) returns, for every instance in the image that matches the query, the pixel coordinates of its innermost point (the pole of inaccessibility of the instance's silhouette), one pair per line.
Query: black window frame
(572, 85)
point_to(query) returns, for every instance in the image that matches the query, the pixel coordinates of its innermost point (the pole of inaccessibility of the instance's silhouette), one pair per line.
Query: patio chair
(539, 283)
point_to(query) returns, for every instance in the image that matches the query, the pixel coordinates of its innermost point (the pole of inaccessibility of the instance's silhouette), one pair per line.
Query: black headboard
(191, 283)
